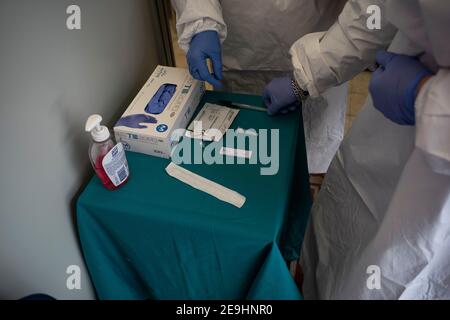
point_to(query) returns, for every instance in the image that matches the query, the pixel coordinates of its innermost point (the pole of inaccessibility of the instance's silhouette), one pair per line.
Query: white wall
(51, 80)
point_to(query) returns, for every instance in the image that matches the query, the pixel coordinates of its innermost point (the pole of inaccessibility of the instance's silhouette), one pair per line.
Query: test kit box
(167, 102)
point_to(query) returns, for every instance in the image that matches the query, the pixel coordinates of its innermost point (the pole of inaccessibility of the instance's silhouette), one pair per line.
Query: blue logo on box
(162, 128)
(126, 146)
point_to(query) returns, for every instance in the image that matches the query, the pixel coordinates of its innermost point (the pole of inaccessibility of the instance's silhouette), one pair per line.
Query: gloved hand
(135, 120)
(279, 96)
(394, 84)
(206, 45)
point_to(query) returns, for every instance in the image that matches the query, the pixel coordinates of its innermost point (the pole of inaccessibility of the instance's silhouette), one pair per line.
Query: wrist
(300, 94)
(412, 92)
(415, 86)
(422, 84)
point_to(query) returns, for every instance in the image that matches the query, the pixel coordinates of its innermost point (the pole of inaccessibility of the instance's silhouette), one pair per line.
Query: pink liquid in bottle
(102, 145)
(98, 152)
(101, 174)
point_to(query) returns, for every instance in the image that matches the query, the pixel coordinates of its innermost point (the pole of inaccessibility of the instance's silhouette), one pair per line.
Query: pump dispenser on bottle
(108, 159)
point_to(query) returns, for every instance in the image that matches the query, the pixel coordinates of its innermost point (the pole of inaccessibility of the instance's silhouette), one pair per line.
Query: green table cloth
(158, 238)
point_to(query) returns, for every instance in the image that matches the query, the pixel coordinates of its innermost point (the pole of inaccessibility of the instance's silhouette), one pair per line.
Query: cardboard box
(148, 123)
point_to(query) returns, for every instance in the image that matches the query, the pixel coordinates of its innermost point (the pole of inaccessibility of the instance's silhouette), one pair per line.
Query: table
(157, 238)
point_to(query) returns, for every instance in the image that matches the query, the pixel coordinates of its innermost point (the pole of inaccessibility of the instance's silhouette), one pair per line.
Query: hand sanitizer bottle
(107, 158)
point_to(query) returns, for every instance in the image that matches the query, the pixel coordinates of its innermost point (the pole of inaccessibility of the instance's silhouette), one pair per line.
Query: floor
(357, 95)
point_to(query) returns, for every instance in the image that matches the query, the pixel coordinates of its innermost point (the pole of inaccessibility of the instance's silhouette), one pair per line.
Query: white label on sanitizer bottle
(116, 165)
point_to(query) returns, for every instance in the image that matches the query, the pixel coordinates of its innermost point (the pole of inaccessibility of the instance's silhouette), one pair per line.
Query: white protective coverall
(256, 38)
(384, 210)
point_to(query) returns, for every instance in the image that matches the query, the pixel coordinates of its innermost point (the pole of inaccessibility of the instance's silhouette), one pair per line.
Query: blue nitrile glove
(279, 96)
(135, 120)
(394, 84)
(206, 45)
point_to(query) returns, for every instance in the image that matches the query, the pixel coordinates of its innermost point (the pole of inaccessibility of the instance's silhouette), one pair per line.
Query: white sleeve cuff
(187, 31)
(310, 71)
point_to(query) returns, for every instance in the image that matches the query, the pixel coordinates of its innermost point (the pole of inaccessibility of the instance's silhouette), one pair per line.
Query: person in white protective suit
(380, 228)
(256, 37)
